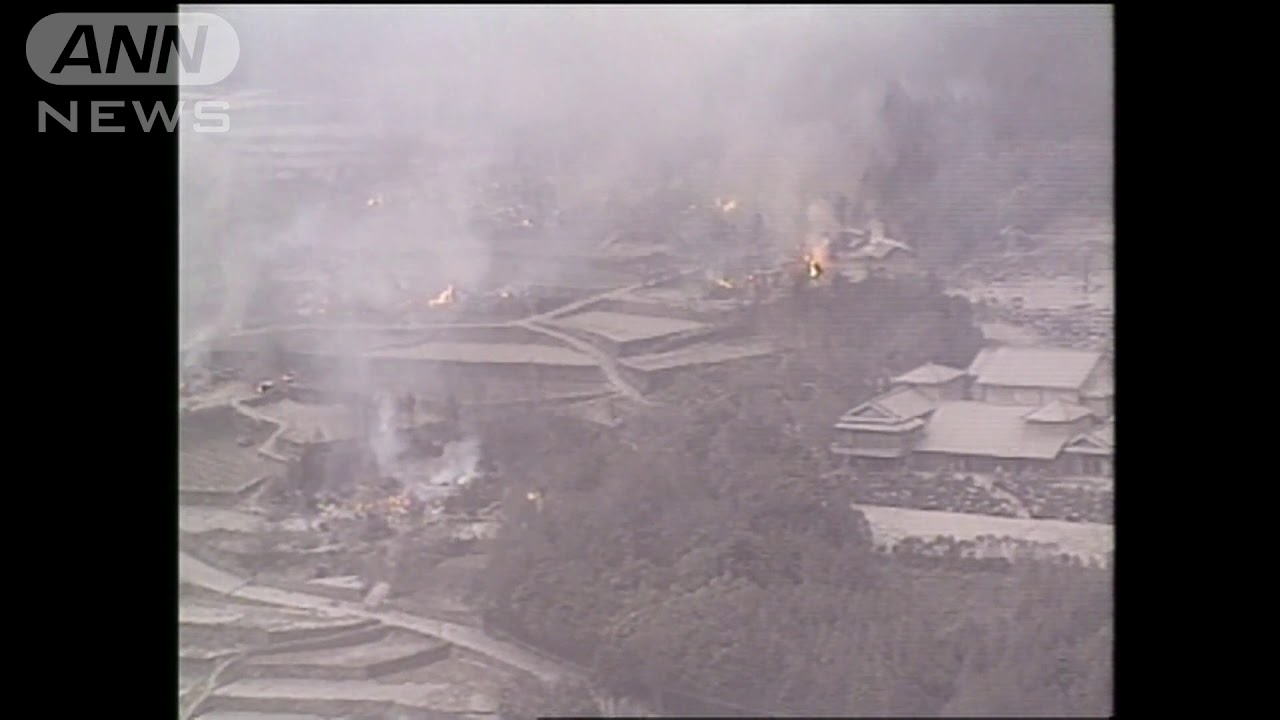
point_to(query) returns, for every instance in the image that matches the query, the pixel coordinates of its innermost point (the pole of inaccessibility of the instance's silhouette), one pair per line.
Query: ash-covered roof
(929, 374)
(1059, 412)
(486, 353)
(997, 431)
(906, 403)
(896, 411)
(1099, 441)
(708, 353)
(624, 327)
(1034, 367)
(1104, 387)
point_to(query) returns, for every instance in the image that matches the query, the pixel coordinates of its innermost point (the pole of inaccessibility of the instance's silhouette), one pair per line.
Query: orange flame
(815, 267)
(447, 297)
(816, 261)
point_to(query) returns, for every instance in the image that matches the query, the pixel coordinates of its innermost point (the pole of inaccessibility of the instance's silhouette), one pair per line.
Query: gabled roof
(1105, 434)
(980, 360)
(1058, 412)
(985, 430)
(1103, 387)
(1107, 431)
(895, 411)
(889, 426)
(1099, 441)
(1089, 444)
(906, 403)
(1034, 367)
(929, 374)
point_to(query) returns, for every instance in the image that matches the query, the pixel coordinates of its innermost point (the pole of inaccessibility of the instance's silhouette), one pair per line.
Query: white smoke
(194, 353)
(460, 463)
(456, 467)
(385, 442)
(821, 222)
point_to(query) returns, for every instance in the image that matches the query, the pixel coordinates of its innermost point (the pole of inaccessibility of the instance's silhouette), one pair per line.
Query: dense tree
(707, 567)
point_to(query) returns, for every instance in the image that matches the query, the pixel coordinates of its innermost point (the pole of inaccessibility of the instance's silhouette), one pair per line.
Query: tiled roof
(1034, 367)
(1101, 439)
(1058, 412)
(929, 374)
(998, 431)
(895, 411)
(894, 426)
(906, 403)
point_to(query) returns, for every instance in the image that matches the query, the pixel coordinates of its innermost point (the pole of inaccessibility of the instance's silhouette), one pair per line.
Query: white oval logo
(133, 49)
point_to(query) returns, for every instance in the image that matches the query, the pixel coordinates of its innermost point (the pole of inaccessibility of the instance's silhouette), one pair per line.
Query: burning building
(332, 442)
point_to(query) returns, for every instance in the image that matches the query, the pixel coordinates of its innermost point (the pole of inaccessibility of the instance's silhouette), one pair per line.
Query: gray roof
(895, 411)
(492, 353)
(906, 403)
(1059, 412)
(1034, 367)
(879, 426)
(1103, 387)
(1099, 441)
(929, 374)
(997, 431)
(980, 360)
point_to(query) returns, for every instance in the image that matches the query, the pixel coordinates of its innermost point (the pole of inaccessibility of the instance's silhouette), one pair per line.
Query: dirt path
(607, 363)
(268, 447)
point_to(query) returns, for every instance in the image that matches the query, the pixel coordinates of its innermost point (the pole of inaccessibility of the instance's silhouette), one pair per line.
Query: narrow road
(268, 447)
(608, 365)
(197, 572)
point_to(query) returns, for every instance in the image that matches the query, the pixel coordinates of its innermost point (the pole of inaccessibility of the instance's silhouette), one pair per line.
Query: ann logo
(186, 49)
(123, 42)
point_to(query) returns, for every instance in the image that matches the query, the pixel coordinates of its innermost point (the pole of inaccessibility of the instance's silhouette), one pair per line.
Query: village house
(330, 440)
(1034, 377)
(998, 415)
(1091, 453)
(881, 433)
